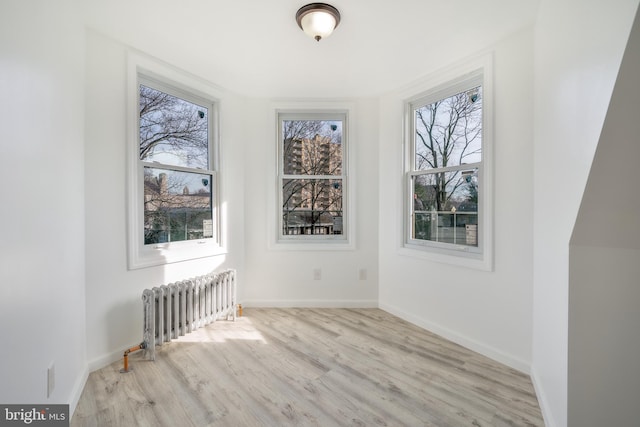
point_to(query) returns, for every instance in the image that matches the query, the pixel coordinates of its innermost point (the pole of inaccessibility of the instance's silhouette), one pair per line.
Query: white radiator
(181, 307)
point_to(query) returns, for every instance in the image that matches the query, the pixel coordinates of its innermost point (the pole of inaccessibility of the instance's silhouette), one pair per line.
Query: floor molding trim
(543, 401)
(78, 388)
(470, 343)
(310, 303)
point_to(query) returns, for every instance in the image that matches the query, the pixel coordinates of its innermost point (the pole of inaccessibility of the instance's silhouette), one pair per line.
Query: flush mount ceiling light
(318, 20)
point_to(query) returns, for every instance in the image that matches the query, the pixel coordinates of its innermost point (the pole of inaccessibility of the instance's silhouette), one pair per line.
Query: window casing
(312, 177)
(447, 190)
(173, 178)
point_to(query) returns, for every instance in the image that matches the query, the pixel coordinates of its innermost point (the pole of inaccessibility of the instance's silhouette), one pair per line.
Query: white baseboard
(311, 303)
(76, 393)
(471, 344)
(543, 401)
(106, 360)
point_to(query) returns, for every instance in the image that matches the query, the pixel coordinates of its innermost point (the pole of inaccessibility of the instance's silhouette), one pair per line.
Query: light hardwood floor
(310, 367)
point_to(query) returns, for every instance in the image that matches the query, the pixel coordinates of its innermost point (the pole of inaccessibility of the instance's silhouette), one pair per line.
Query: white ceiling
(254, 47)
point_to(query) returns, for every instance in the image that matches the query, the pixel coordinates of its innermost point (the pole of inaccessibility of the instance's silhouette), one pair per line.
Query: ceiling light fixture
(318, 20)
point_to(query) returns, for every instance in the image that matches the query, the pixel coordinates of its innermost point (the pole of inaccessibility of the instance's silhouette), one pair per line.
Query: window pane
(173, 131)
(312, 147)
(445, 207)
(177, 206)
(449, 131)
(312, 206)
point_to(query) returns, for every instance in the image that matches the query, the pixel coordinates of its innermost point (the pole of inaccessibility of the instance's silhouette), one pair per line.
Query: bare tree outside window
(312, 181)
(447, 158)
(172, 130)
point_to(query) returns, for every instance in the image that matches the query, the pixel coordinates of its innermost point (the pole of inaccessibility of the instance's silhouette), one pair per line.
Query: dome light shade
(318, 20)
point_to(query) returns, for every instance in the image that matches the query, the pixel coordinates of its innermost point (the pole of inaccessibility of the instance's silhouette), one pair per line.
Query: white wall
(42, 183)
(487, 311)
(578, 48)
(285, 277)
(604, 344)
(114, 305)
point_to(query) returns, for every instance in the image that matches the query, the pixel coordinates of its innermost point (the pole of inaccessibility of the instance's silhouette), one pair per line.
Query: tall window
(175, 158)
(176, 182)
(312, 176)
(445, 177)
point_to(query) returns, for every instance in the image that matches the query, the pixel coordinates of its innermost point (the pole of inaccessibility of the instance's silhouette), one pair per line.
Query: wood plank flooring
(310, 367)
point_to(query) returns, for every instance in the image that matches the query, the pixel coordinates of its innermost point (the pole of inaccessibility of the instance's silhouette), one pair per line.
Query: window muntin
(175, 158)
(446, 169)
(312, 176)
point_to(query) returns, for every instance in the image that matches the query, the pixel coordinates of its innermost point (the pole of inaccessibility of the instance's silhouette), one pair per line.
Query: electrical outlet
(51, 379)
(362, 274)
(317, 274)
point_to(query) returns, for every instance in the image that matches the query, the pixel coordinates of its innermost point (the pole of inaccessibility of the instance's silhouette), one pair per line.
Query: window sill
(167, 254)
(311, 245)
(476, 261)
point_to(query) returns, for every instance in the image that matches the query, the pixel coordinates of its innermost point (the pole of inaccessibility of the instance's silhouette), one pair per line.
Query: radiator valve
(239, 310)
(140, 346)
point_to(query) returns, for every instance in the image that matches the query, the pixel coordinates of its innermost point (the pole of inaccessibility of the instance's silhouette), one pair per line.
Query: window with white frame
(174, 185)
(312, 176)
(446, 189)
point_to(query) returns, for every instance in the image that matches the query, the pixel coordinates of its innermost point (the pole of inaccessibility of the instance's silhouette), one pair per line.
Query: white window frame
(441, 86)
(314, 111)
(175, 82)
